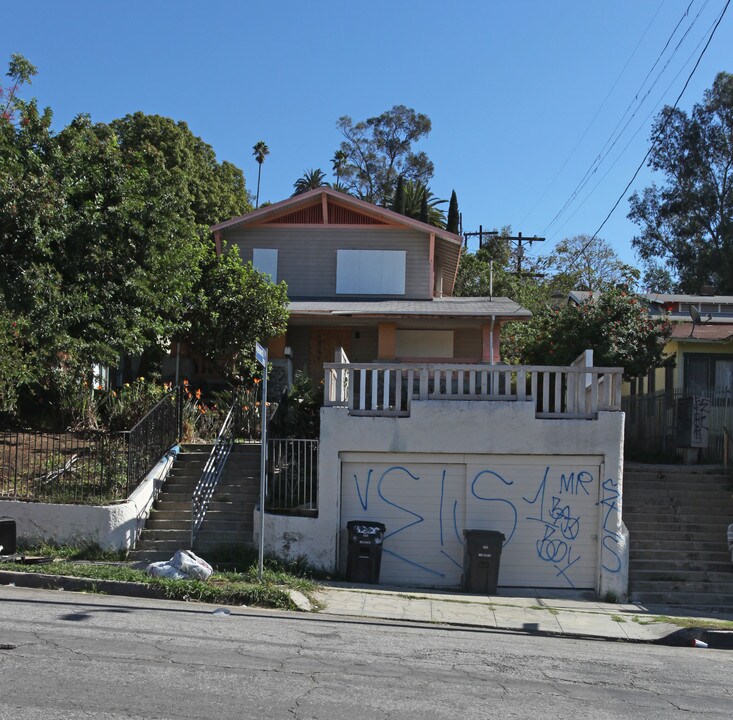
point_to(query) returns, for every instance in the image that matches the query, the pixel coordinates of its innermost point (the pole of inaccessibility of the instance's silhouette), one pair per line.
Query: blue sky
(523, 95)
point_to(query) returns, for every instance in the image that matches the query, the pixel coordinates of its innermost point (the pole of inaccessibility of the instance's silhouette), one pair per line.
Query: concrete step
(682, 586)
(161, 514)
(158, 534)
(683, 554)
(155, 523)
(713, 528)
(722, 577)
(696, 523)
(682, 564)
(150, 556)
(688, 499)
(709, 600)
(167, 547)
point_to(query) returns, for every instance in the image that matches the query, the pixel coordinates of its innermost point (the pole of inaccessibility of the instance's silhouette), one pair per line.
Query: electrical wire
(659, 133)
(606, 149)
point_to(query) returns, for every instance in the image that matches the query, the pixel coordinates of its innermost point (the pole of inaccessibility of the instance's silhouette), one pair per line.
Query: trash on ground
(699, 644)
(221, 612)
(184, 565)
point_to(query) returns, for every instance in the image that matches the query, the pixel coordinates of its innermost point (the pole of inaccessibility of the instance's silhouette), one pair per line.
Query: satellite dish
(695, 315)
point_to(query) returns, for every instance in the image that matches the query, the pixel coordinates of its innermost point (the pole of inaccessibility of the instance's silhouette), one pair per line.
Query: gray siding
(307, 256)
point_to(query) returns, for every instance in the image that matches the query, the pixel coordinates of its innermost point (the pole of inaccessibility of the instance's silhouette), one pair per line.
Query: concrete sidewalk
(552, 612)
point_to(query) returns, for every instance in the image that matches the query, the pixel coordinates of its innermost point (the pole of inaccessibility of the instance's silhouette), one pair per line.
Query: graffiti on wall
(552, 521)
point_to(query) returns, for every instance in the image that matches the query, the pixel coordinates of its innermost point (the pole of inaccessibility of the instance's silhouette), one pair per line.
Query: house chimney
(707, 290)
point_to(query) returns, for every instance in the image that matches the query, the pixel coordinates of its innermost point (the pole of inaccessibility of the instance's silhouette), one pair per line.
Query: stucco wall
(455, 428)
(112, 527)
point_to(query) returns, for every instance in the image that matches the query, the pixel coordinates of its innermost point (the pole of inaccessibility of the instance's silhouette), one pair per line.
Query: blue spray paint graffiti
(561, 526)
(558, 506)
(508, 503)
(611, 542)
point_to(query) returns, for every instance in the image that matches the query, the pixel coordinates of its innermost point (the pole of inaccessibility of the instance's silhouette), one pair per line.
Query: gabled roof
(372, 214)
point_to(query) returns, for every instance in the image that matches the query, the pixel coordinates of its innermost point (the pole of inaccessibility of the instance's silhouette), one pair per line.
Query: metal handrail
(212, 471)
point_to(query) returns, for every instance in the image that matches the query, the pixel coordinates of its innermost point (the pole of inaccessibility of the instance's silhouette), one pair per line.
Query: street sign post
(261, 355)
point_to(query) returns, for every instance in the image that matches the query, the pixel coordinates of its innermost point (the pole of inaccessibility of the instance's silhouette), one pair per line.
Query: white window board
(370, 272)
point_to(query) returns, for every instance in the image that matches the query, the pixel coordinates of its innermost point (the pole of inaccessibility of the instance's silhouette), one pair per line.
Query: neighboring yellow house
(701, 343)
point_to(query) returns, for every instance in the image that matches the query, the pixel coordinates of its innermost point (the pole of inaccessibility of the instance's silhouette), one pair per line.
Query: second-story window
(265, 260)
(370, 272)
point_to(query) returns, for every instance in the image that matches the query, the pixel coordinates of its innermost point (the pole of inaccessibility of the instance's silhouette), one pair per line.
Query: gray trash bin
(481, 560)
(7, 536)
(364, 551)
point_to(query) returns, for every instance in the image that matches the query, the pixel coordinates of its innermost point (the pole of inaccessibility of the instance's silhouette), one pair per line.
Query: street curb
(76, 584)
(685, 637)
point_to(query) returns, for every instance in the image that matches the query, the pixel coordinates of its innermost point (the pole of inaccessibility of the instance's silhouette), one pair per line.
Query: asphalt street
(73, 656)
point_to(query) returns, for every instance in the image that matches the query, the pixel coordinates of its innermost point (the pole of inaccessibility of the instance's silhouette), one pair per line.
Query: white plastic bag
(164, 569)
(192, 565)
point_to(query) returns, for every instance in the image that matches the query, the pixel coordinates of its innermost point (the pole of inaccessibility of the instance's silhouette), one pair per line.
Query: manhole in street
(7, 646)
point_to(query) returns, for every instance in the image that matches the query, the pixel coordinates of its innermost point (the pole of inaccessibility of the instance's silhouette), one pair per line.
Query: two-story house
(368, 280)
(423, 429)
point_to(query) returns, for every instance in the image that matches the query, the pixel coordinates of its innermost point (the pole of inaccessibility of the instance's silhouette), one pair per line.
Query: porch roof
(499, 307)
(713, 331)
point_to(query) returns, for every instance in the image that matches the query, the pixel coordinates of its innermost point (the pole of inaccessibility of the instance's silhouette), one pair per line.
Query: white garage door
(547, 508)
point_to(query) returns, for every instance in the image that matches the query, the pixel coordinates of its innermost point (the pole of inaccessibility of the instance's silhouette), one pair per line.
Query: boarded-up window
(425, 344)
(265, 260)
(370, 272)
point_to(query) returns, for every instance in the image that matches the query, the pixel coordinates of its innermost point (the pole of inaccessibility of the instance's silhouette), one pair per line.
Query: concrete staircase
(228, 520)
(677, 518)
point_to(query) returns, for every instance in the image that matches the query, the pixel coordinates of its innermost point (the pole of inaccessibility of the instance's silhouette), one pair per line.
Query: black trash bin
(7, 536)
(481, 560)
(364, 552)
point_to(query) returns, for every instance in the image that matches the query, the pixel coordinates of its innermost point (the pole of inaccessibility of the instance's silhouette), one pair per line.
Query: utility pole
(519, 240)
(519, 252)
(480, 235)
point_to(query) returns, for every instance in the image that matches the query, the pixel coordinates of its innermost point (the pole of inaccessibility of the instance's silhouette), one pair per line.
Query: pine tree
(398, 201)
(452, 222)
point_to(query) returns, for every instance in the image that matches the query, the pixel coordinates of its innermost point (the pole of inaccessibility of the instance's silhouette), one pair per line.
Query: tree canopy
(686, 224)
(104, 240)
(380, 149)
(616, 324)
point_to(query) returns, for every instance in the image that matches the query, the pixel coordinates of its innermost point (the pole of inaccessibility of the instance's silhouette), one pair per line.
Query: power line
(597, 113)
(660, 131)
(636, 132)
(605, 150)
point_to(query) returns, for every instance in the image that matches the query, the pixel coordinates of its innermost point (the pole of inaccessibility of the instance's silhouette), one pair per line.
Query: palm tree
(420, 202)
(260, 151)
(338, 161)
(311, 180)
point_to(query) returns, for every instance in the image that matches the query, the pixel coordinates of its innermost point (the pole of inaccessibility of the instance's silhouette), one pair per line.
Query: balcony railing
(388, 389)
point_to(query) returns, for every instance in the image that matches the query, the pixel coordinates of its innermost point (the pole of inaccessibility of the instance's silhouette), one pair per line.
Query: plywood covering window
(370, 272)
(425, 344)
(265, 260)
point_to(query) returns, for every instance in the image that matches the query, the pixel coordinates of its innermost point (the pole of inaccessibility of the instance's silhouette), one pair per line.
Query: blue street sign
(261, 355)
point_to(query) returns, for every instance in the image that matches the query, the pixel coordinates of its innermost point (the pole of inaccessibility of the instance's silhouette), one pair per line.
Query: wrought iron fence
(91, 467)
(292, 476)
(158, 431)
(659, 424)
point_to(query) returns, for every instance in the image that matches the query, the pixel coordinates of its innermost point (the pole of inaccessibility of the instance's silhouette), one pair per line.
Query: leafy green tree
(310, 180)
(616, 326)
(379, 150)
(591, 263)
(686, 225)
(235, 306)
(20, 72)
(260, 152)
(451, 224)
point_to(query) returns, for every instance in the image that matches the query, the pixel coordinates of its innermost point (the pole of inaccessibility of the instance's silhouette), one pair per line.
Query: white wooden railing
(387, 389)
